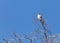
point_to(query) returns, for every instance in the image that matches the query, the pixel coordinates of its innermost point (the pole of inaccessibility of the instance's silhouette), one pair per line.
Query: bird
(39, 17)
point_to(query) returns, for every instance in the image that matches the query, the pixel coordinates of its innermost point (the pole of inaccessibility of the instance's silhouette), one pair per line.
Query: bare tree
(40, 33)
(17, 37)
(5, 40)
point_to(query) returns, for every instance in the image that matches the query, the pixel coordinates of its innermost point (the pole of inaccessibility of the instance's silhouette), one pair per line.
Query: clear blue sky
(18, 15)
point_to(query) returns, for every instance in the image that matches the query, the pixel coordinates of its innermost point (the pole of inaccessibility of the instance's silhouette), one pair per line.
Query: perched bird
(39, 17)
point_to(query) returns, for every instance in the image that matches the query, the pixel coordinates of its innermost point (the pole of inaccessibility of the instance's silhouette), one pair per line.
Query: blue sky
(18, 15)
